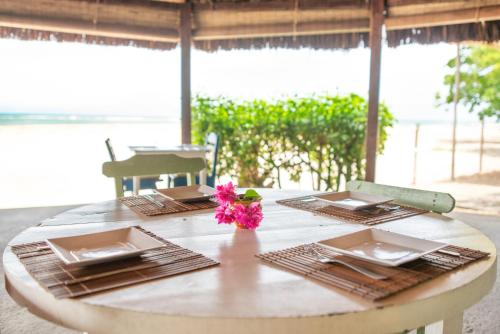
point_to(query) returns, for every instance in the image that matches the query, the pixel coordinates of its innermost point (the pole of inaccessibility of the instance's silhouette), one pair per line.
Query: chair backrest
(212, 142)
(424, 199)
(110, 150)
(147, 165)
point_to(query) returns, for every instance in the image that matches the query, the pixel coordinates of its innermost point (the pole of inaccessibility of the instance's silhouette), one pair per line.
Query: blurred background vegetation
(263, 141)
(479, 88)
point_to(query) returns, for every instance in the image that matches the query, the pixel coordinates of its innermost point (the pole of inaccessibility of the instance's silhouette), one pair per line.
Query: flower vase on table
(245, 210)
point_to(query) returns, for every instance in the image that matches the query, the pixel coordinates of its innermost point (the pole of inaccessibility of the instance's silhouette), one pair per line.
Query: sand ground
(50, 165)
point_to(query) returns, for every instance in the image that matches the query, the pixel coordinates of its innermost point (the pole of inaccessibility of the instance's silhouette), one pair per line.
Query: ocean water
(10, 118)
(54, 118)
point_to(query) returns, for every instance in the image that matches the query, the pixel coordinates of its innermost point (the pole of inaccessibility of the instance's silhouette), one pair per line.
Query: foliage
(251, 194)
(261, 140)
(479, 88)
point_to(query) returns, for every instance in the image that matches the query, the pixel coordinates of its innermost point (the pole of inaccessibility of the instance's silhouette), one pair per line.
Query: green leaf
(251, 194)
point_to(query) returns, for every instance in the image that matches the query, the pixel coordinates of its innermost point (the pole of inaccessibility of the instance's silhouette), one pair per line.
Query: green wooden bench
(424, 199)
(147, 165)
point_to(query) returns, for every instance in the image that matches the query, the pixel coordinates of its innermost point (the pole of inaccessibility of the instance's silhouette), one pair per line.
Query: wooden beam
(302, 29)
(171, 1)
(274, 5)
(419, 7)
(229, 19)
(132, 12)
(376, 21)
(491, 13)
(89, 28)
(185, 34)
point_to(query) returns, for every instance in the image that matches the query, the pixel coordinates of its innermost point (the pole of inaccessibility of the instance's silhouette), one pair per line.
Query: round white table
(243, 294)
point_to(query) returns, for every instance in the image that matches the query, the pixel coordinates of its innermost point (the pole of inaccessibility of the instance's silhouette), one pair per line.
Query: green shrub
(260, 140)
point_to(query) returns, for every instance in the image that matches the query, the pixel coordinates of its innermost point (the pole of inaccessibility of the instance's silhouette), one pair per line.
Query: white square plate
(352, 200)
(381, 247)
(87, 249)
(186, 194)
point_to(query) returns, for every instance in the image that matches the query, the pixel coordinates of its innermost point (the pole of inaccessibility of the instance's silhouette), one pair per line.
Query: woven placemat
(301, 260)
(142, 205)
(366, 217)
(64, 282)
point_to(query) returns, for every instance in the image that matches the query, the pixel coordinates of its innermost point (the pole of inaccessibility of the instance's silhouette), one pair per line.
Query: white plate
(87, 249)
(188, 193)
(381, 247)
(352, 200)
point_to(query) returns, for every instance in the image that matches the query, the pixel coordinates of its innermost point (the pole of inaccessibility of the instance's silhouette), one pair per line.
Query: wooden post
(417, 129)
(456, 98)
(376, 21)
(481, 147)
(185, 41)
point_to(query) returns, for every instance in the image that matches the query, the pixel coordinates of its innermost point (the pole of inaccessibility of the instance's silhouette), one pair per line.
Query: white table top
(169, 149)
(243, 294)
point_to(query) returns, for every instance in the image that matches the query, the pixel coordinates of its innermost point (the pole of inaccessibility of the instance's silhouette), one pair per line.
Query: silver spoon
(323, 259)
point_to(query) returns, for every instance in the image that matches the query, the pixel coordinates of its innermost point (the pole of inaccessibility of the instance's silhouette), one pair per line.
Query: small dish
(381, 247)
(187, 194)
(352, 200)
(93, 248)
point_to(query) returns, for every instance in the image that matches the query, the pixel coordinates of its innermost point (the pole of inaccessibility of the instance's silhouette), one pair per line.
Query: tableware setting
(172, 200)
(94, 248)
(85, 264)
(352, 200)
(381, 247)
(369, 270)
(324, 259)
(353, 207)
(187, 194)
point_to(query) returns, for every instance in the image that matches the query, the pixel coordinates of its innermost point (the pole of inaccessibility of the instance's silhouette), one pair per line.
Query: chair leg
(119, 187)
(203, 176)
(190, 179)
(136, 181)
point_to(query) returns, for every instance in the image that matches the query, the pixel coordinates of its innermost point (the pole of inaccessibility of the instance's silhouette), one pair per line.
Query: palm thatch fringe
(488, 32)
(333, 41)
(38, 35)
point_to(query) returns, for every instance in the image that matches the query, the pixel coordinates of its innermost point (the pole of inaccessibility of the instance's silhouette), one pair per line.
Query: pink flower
(225, 193)
(224, 213)
(248, 216)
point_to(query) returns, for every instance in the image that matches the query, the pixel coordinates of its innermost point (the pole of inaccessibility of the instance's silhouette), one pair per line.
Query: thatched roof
(40, 35)
(488, 32)
(225, 24)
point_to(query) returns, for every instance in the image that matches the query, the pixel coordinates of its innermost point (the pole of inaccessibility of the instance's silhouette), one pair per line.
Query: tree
(477, 72)
(479, 81)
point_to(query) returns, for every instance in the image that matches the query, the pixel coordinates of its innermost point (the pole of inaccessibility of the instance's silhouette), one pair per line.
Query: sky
(51, 77)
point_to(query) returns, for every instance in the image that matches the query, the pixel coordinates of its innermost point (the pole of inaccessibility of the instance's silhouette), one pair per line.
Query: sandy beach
(60, 164)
